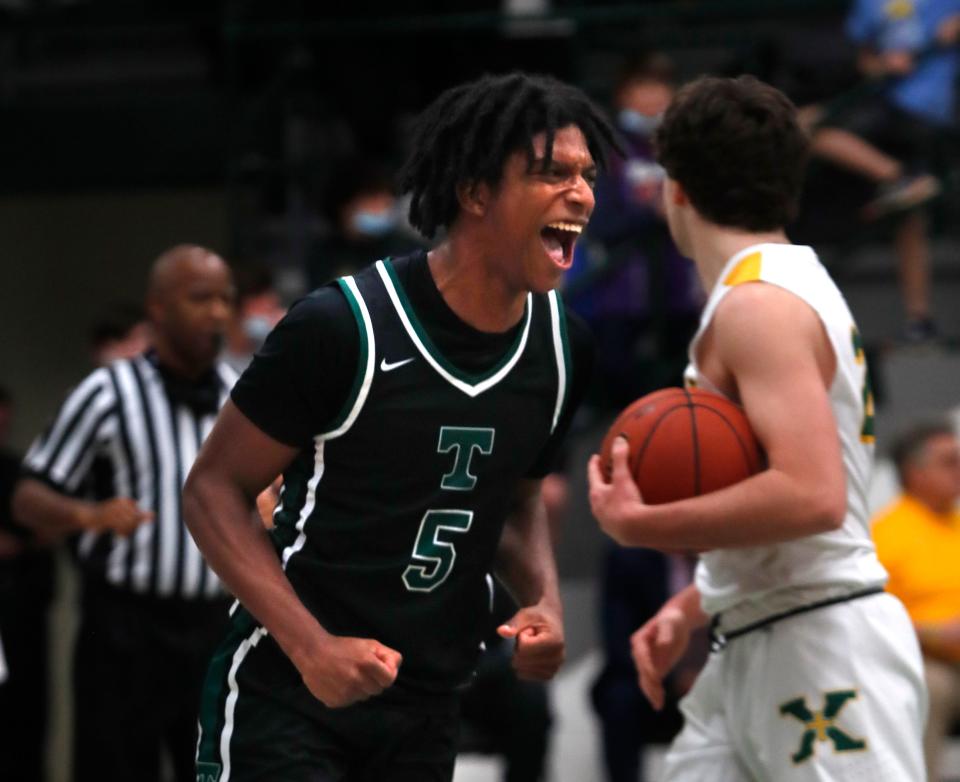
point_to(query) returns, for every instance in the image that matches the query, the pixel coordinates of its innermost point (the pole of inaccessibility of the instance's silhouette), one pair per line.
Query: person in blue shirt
(913, 42)
(911, 45)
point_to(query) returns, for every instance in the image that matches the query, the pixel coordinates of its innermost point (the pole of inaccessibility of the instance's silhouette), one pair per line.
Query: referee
(107, 473)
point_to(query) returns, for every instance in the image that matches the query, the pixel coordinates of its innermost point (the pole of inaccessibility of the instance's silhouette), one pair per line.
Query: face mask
(257, 327)
(640, 124)
(373, 224)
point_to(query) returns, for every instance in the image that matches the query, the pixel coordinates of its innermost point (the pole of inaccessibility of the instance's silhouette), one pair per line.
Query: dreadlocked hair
(467, 134)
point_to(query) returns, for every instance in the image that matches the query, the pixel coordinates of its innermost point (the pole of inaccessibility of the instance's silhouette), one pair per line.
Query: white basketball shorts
(832, 695)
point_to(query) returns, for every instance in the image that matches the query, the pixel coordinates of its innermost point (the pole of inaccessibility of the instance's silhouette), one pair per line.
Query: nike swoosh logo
(386, 367)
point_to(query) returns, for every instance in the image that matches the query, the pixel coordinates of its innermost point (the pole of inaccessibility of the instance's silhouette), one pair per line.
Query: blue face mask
(257, 327)
(373, 224)
(639, 124)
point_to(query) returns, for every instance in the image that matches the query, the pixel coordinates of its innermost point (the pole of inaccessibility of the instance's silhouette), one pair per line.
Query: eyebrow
(541, 164)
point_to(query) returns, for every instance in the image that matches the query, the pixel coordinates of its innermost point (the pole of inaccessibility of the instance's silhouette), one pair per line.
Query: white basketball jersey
(846, 556)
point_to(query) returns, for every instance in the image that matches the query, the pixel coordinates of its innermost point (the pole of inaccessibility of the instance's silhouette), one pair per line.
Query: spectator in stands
(639, 295)
(897, 190)
(918, 541)
(122, 332)
(911, 46)
(257, 310)
(817, 68)
(366, 222)
(636, 582)
(26, 589)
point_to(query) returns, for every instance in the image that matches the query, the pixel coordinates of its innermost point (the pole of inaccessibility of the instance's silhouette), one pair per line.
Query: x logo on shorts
(821, 725)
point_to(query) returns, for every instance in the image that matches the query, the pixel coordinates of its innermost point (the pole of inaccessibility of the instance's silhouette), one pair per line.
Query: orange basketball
(684, 443)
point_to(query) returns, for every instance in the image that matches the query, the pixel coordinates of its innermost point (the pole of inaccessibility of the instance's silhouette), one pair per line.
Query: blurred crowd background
(271, 132)
(267, 132)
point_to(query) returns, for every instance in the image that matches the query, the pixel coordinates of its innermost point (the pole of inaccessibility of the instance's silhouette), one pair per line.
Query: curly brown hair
(736, 148)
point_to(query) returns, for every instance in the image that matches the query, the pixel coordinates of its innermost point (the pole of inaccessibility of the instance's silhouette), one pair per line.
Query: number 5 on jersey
(433, 555)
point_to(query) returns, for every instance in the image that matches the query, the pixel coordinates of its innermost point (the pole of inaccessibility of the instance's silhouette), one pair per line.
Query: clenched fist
(346, 670)
(540, 648)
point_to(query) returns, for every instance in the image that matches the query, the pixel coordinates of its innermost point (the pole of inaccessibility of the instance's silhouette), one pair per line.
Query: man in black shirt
(413, 409)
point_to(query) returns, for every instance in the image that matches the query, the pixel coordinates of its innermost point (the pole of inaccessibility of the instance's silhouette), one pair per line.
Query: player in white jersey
(815, 673)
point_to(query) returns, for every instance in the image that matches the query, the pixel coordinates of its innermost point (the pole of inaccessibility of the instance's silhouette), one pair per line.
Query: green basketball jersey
(389, 524)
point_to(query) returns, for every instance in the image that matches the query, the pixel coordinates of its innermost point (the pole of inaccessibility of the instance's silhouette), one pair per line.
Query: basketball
(684, 443)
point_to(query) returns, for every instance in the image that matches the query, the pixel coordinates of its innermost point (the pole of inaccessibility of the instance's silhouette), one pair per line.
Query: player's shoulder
(322, 317)
(322, 311)
(321, 304)
(760, 302)
(779, 283)
(759, 322)
(772, 262)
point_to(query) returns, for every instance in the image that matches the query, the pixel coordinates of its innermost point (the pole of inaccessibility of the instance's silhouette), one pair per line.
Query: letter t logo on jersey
(464, 441)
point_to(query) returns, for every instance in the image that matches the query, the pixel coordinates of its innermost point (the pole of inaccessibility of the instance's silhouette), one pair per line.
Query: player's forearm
(771, 507)
(221, 519)
(525, 561)
(49, 514)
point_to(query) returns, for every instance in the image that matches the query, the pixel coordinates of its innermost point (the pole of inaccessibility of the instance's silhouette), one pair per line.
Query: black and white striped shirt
(120, 433)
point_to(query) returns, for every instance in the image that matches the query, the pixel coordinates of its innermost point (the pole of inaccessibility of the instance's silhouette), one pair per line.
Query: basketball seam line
(697, 483)
(751, 467)
(653, 429)
(691, 405)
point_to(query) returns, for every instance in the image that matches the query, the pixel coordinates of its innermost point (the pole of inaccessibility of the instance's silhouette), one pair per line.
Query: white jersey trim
(559, 348)
(470, 389)
(231, 703)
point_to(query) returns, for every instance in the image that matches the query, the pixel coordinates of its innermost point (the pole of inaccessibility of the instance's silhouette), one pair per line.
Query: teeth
(571, 227)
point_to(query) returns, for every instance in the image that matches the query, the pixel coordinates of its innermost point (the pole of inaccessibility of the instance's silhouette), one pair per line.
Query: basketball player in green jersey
(413, 409)
(815, 674)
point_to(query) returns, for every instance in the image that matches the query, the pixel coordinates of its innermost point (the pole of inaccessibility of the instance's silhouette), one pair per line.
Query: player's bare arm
(236, 463)
(660, 643)
(780, 374)
(53, 516)
(525, 564)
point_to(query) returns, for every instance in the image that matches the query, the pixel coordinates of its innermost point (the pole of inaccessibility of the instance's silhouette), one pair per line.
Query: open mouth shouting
(558, 239)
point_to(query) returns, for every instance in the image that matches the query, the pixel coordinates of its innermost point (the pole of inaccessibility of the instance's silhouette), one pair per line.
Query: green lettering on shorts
(208, 772)
(821, 725)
